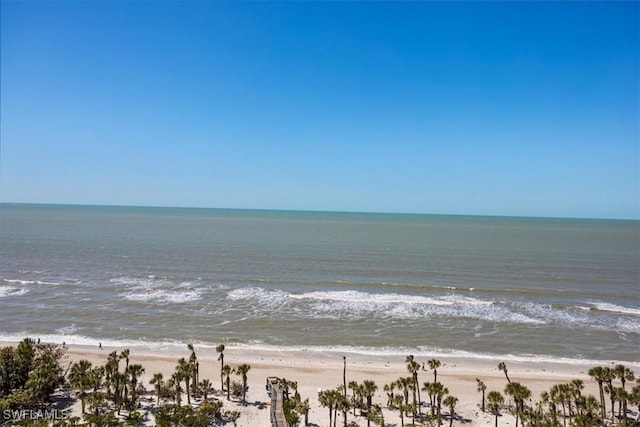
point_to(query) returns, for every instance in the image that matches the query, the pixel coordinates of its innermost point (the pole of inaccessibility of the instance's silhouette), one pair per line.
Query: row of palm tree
(565, 404)
(403, 396)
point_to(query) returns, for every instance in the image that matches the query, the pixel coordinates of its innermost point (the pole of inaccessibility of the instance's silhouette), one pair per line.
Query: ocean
(490, 287)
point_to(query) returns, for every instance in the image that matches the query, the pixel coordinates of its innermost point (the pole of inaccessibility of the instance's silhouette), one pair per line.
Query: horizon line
(550, 217)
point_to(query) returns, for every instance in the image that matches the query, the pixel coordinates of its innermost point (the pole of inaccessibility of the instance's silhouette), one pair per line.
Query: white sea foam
(11, 291)
(617, 309)
(164, 296)
(157, 290)
(67, 330)
(262, 298)
(30, 282)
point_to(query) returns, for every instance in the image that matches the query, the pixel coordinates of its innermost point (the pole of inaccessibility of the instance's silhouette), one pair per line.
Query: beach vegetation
(482, 388)
(227, 371)
(494, 402)
(220, 350)
(242, 371)
(111, 394)
(503, 367)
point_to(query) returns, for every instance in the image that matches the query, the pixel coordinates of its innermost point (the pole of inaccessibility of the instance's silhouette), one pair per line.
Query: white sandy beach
(315, 370)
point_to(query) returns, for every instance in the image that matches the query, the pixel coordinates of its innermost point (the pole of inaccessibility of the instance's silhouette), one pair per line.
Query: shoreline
(315, 370)
(355, 352)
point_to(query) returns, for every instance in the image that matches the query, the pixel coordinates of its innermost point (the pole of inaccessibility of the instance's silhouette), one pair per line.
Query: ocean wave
(356, 304)
(30, 282)
(11, 291)
(165, 296)
(616, 308)
(158, 290)
(259, 296)
(67, 330)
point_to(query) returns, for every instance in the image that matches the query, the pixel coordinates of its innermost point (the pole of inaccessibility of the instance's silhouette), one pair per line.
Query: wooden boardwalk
(276, 410)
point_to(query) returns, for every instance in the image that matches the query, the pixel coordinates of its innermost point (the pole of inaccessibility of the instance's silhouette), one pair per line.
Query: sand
(315, 370)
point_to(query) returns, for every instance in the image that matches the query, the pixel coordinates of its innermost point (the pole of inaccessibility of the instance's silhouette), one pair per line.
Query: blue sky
(505, 108)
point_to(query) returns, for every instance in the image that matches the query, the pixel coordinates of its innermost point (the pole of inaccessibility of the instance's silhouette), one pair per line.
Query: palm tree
(329, 399)
(389, 388)
(624, 374)
(450, 402)
(242, 370)
(344, 375)
(482, 387)
(398, 402)
(193, 360)
(79, 379)
(405, 383)
(434, 364)
(368, 389)
(502, 367)
(303, 407)
(135, 371)
(439, 391)
(124, 354)
(598, 373)
(220, 349)
(174, 385)
(205, 386)
(413, 367)
(519, 393)
(157, 384)
(227, 371)
(495, 400)
(185, 370)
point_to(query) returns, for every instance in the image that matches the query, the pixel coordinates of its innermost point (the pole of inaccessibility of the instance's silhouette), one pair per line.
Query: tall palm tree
(624, 374)
(413, 367)
(450, 402)
(329, 399)
(157, 384)
(242, 370)
(495, 400)
(135, 371)
(405, 383)
(344, 375)
(434, 364)
(80, 380)
(184, 368)
(226, 372)
(482, 387)
(398, 402)
(193, 360)
(174, 384)
(439, 391)
(220, 349)
(519, 393)
(503, 367)
(124, 354)
(389, 389)
(598, 373)
(303, 407)
(368, 389)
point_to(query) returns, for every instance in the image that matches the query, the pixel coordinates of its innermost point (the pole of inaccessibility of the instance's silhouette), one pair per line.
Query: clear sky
(505, 108)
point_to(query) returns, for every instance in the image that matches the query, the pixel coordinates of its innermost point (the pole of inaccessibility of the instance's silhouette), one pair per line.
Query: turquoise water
(376, 283)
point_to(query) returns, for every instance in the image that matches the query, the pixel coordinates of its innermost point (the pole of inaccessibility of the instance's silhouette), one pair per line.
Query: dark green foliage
(186, 416)
(29, 374)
